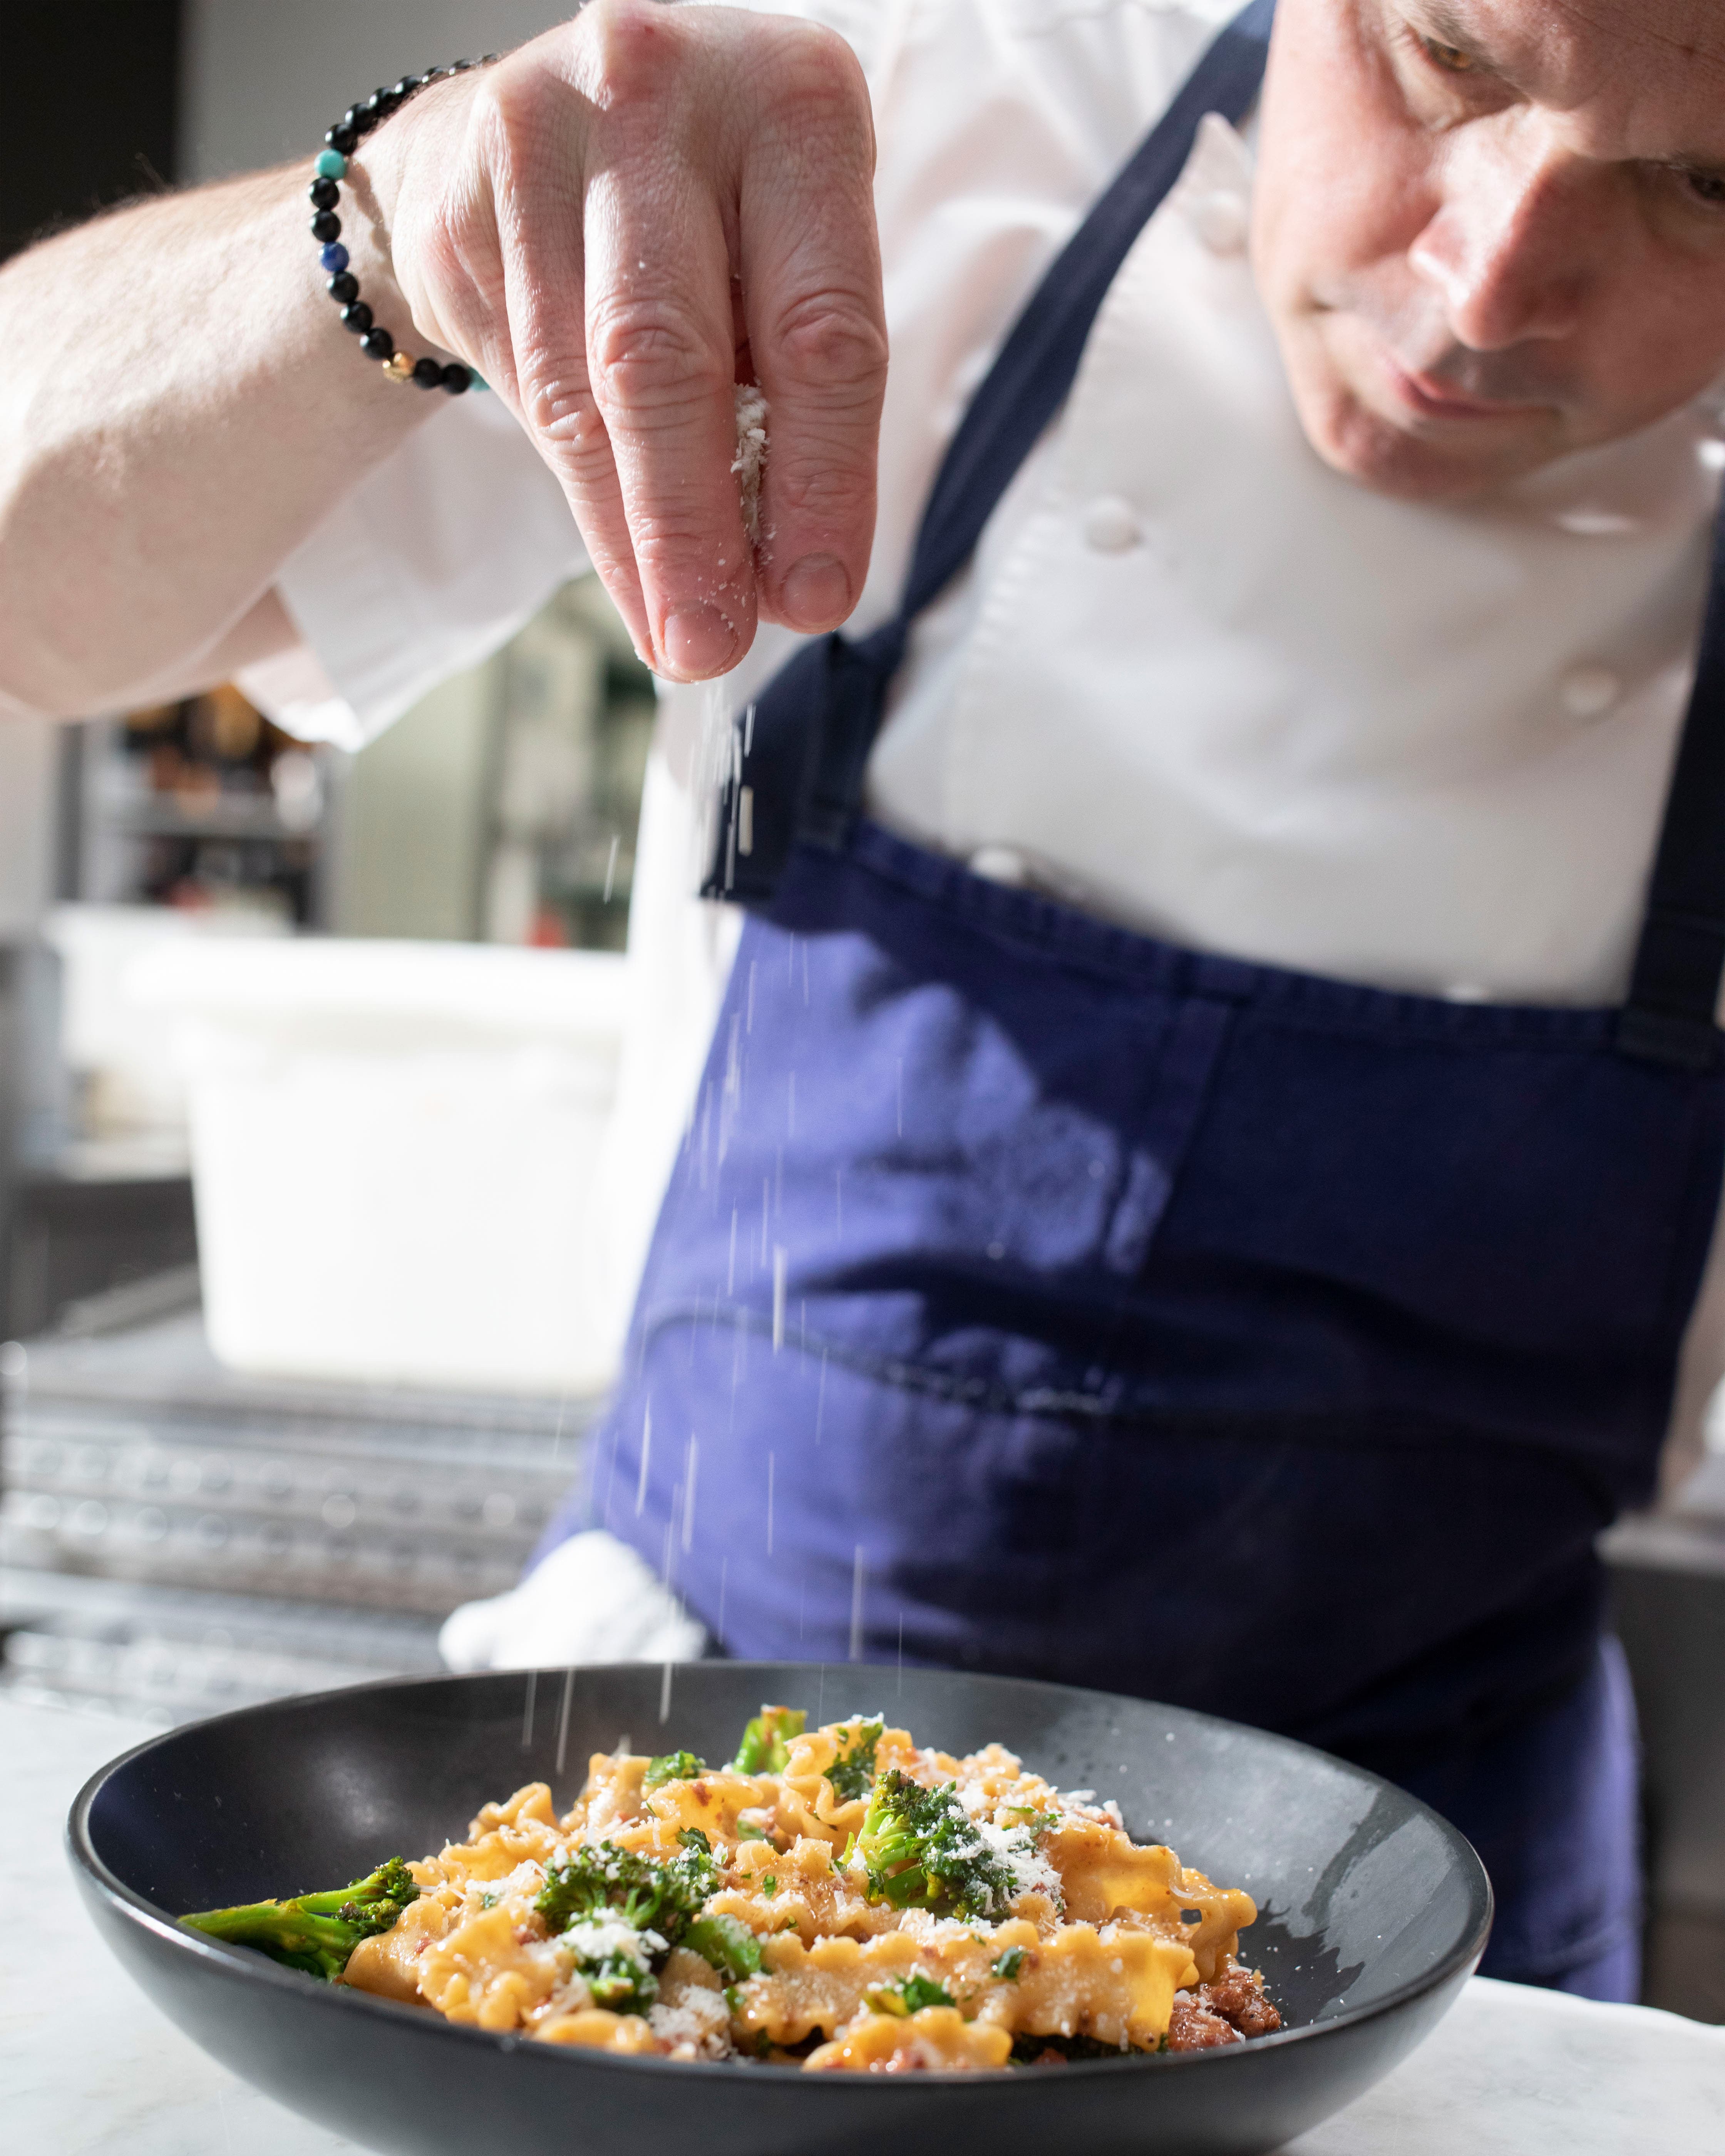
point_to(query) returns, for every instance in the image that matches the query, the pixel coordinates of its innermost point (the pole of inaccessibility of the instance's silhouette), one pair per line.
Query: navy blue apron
(1032, 1296)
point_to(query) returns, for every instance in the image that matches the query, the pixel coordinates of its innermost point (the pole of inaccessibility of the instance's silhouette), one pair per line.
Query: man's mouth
(1445, 385)
(1428, 398)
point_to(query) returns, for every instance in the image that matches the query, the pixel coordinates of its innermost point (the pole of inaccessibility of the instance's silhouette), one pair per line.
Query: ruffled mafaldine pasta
(836, 1898)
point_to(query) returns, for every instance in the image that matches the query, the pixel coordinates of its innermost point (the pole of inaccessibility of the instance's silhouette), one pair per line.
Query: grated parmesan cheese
(526, 1878)
(751, 454)
(524, 1882)
(573, 1995)
(928, 1929)
(1032, 1873)
(598, 1940)
(697, 2027)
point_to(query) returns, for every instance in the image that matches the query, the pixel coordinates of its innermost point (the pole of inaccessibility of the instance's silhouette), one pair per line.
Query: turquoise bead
(476, 381)
(331, 164)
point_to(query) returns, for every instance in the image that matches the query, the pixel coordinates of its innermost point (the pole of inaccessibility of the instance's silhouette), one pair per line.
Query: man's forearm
(179, 407)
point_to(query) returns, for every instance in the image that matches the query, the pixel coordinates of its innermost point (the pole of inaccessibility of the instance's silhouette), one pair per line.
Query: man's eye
(1707, 188)
(1450, 58)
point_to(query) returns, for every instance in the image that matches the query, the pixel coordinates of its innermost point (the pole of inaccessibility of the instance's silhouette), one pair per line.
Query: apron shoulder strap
(799, 753)
(1674, 989)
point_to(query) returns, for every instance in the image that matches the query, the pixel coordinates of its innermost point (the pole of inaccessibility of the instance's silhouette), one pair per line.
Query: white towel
(592, 1600)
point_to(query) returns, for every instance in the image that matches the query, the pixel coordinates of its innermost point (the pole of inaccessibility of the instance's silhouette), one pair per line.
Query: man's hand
(615, 224)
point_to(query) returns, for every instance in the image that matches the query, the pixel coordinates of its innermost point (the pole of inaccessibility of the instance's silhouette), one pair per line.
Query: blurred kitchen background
(298, 1348)
(295, 1356)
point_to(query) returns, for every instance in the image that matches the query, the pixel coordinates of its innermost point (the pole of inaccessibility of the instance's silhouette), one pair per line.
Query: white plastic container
(124, 1054)
(392, 1145)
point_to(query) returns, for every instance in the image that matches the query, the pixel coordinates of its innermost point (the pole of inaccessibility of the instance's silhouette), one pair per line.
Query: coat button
(1110, 525)
(1000, 865)
(1222, 221)
(1589, 692)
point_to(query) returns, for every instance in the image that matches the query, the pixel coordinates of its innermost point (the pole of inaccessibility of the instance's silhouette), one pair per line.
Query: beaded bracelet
(343, 139)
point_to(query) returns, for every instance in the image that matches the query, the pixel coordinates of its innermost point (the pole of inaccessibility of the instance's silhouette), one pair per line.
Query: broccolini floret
(616, 1963)
(731, 1947)
(672, 1767)
(919, 1849)
(619, 1913)
(316, 1932)
(910, 1995)
(852, 1774)
(646, 1894)
(764, 1749)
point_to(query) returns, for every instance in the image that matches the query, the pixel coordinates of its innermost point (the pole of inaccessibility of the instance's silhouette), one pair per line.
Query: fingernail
(816, 592)
(697, 641)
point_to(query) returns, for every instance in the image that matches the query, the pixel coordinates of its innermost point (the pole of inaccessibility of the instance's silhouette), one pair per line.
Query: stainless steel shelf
(175, 1536)
(173, 1653)
(231, 820)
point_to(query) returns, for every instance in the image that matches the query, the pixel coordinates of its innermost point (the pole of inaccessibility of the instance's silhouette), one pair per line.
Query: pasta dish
(836, 1898)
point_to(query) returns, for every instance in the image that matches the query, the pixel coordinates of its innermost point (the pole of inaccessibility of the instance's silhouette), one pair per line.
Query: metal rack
(175, 1536)
(171, 1654)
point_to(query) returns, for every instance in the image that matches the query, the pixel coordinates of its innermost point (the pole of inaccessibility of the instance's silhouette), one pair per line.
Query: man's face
(1490, 232)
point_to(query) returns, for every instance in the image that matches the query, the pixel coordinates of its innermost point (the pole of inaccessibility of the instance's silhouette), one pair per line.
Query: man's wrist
(405, 163)
(356, 188)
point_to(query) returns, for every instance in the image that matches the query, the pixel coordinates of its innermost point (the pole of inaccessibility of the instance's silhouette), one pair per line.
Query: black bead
(456, 378)
(343, 287)
(358, 317)
(406, 87)
(325, 193)
(378, 343)
(326, 226)
(342, 139)
(428, 374)
(355, 118)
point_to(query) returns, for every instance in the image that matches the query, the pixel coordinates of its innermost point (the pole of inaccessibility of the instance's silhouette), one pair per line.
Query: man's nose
(1511, 247)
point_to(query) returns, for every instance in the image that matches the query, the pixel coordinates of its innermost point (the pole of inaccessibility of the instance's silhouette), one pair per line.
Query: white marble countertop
(87, 2064)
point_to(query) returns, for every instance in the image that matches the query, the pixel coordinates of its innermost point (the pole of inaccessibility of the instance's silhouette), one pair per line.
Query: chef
(1176, 1148)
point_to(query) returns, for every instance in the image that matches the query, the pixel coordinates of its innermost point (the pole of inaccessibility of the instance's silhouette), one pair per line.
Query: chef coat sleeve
(431, 561)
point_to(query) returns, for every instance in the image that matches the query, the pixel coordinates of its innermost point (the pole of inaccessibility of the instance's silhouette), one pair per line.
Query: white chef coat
(1193, 680)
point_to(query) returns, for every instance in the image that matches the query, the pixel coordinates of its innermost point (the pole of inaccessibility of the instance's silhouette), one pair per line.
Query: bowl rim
(214, 1954)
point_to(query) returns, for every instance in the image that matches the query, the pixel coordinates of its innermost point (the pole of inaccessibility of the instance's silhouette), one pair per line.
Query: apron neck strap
(799, 753)
(1674, 988)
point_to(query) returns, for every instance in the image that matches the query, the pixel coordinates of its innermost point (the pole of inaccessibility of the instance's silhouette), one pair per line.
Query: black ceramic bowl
(1372, 1912)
